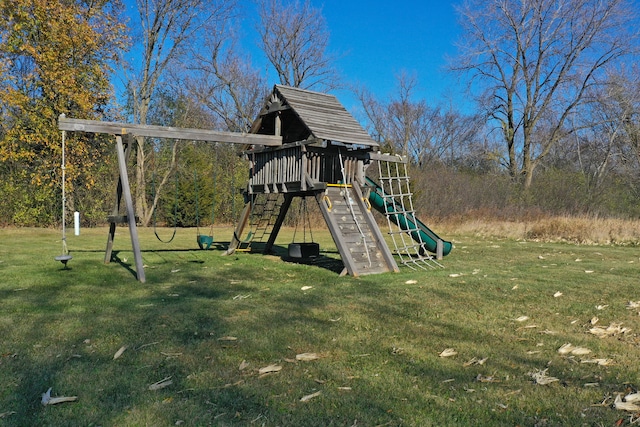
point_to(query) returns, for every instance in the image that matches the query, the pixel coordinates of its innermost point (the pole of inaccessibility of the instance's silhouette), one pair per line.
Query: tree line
(554, 127)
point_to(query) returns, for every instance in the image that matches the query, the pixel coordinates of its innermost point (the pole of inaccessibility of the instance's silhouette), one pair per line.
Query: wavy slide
(421, 232)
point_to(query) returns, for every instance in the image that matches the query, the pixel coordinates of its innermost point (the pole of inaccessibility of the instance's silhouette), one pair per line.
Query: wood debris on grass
(487, 379)
(448, 352)
(600, 362)
(307, 357)
(7, 414)
(270, 369)
(475, 361)
(119, 352)
(410, 282)
(571, 349)
(228, 339)
(243, 365)
(632, 305)
(310, 396)
(163, 383)
(48, 400)
(610, 331)
(623, 404)
(306, 288)
(557, 294)
(540, 377)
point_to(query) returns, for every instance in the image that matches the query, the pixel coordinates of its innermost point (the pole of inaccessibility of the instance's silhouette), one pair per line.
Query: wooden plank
(116, 128)
(126, 190)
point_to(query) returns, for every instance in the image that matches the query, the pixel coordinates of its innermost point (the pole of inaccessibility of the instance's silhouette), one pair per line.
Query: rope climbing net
(406, 231)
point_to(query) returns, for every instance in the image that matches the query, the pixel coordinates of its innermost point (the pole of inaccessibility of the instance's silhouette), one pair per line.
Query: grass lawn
(212, 327)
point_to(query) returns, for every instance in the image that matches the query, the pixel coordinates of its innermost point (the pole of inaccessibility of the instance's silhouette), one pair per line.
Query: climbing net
(406, 231)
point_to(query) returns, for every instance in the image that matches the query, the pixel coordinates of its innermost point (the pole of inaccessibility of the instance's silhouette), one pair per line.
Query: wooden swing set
(124, 134)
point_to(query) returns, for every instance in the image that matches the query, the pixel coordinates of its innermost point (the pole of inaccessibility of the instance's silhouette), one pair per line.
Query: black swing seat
(204, 242)
(305, 250)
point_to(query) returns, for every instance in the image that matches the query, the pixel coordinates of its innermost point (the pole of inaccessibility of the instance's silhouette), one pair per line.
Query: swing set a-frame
(303, 144)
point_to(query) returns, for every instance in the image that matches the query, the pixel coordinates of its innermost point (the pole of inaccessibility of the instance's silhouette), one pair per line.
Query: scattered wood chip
(410, 282)
(588, 271)
(475, 361)
(455, 275)
(48, 400)
(7, 414)
(119, 352)
(270, 369)
(601, 362)
(540, 377)
(306, 288)
(228, 338)
(624, 405)
(571, 349)
(448, 352)
(486, 379)
(557, 294)
(601, 307)
(310, 396)
(633, 398)
(163, 383)
(632, 305)
(612, 330)
(307, 357)
(594, 320)
(522, 319)
(243, 365)
(344, 388)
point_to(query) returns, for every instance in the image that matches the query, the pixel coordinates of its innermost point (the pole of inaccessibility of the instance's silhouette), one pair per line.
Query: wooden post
(125, 190)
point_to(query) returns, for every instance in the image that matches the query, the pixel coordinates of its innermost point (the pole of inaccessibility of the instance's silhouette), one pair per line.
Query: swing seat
(63, 259)
(204, 242)
(304, 250)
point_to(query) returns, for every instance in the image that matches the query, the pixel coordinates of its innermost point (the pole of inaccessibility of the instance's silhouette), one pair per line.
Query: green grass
(379, 337)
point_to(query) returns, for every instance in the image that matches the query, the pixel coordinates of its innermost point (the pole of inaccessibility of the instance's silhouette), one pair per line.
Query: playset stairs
(354, 231)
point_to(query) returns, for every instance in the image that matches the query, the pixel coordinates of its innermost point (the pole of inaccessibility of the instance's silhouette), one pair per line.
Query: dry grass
(580, 230)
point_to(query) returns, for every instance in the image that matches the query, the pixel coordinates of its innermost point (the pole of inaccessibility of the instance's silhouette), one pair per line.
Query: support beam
(152, 131)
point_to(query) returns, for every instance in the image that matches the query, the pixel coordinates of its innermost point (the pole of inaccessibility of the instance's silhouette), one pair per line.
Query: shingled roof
(307, 115)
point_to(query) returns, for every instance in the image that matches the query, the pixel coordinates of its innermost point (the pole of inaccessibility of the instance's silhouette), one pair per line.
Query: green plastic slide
(420, 233)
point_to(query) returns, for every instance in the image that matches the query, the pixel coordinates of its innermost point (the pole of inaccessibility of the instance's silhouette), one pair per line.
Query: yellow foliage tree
(56, 58)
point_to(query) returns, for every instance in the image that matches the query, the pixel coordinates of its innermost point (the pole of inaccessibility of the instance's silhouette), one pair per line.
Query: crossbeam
(153, 131)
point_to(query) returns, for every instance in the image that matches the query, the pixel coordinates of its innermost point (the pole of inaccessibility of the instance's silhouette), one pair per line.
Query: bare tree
(225, 83)
(167, 27)
(535, 60)
(422, 132)
(295, 39)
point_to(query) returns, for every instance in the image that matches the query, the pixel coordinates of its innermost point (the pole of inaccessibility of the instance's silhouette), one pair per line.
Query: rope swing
(64, 257)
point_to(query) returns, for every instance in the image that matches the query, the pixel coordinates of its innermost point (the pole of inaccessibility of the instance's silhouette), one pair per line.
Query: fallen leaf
(540, 377)
(601, 362)
(48, 400)
(163, 383)
(571, 349)
(633, 397)
(448, 352)
(310, 396)
(594, 320)
(306, 357)
(119, 352)
(632, 305)
(269, 369)
(601, 307)
(243, 365)
(610, 331)
(625, 406)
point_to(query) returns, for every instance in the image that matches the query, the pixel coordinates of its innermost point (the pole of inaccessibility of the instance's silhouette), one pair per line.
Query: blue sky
(375, 40)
